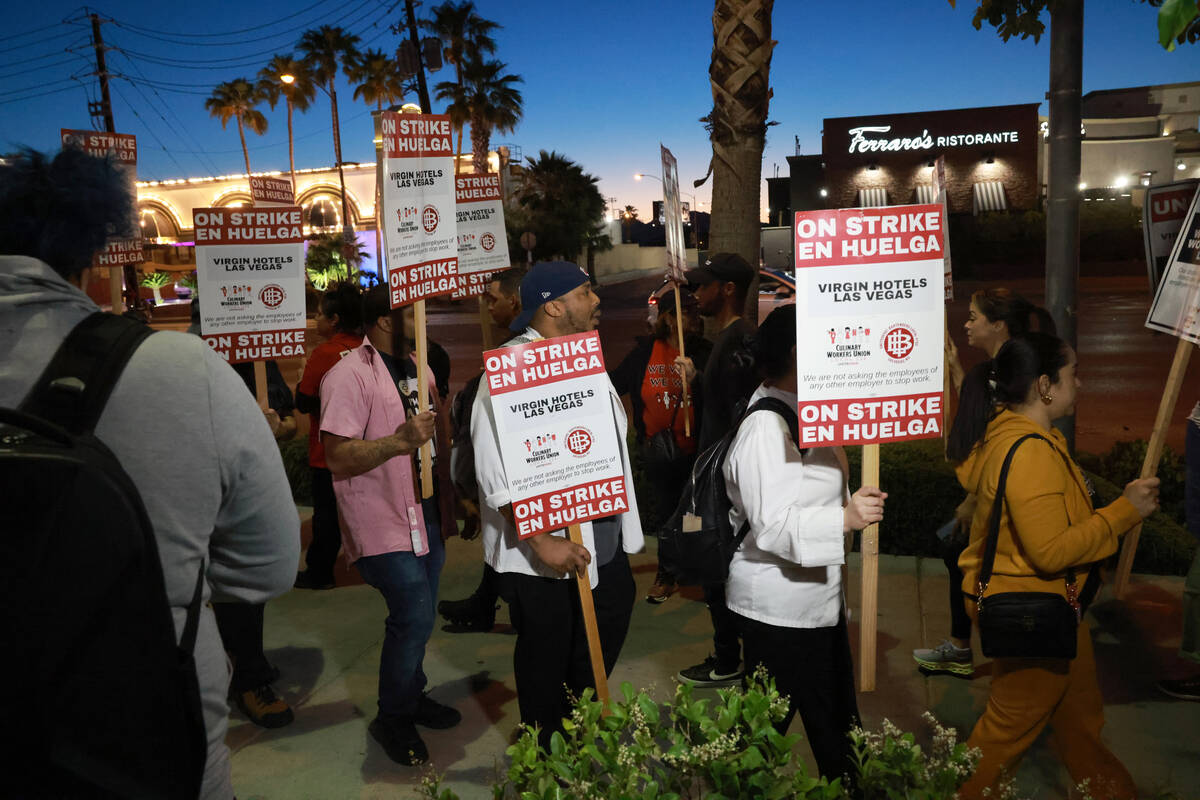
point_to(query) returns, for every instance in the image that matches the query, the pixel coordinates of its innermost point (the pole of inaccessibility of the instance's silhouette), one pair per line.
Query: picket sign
(1176, 311)
(676, 258)
(869, 547)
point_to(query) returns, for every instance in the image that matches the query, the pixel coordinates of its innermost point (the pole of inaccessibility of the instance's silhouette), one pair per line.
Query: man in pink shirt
(389, 534)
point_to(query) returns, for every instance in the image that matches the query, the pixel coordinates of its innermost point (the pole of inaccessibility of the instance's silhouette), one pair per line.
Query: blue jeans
(409, 585)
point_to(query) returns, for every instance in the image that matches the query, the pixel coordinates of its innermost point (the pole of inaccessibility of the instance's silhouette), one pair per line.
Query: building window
(322, 213)
(989, 196)
(872, 198)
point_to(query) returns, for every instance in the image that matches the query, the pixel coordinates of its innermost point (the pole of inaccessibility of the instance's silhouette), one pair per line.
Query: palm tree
(326, 49)
(489, 100)
(466, 36)
(287, 77)
(236, 99)
(563, 202)
(738, 72)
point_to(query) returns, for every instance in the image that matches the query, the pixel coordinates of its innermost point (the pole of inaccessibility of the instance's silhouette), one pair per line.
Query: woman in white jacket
(785, 582)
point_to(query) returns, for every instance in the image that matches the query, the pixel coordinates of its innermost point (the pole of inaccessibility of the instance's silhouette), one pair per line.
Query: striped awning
(989, 196)
(872, 198)
(926, 193)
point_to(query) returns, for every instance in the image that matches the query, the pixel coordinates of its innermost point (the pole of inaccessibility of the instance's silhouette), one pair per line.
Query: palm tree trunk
(245, 152)
(337, 152)
(1062, 212)
(741, 63)
(458, 155)
(291, 150)
(480, 140)
(378, 212)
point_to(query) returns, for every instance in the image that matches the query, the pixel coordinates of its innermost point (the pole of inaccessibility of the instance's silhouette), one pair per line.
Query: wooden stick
(423, 395)
(687, 414)
(116, 277)
(485, 323)
(589, 622)
(869, 614)
(1158, 437)
(260, 384)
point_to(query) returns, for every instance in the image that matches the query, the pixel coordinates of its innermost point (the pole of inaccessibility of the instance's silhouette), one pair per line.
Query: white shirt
(502, 550)
(788, 571)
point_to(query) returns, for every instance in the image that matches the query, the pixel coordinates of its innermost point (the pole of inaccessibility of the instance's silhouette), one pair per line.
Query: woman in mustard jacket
(1048, 525)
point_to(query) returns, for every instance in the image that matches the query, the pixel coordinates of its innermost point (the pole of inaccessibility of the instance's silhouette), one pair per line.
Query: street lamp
(637, 176)
(287, 78)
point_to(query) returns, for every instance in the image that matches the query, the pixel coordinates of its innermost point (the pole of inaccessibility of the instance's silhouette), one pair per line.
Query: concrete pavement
(327, 645)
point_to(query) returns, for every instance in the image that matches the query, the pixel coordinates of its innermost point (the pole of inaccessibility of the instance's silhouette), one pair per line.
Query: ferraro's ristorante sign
(879, 138)
(1009, 130)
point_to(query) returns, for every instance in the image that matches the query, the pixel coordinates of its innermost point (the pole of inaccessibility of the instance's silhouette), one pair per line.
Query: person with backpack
(1033, 563)
(729, 377)
(339, 324)
(551, 661)
(477, 612)
(785, 584)
(105, 710)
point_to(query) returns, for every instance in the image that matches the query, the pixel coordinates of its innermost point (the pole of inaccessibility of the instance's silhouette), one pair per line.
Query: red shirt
(323, 357)
(662, 392)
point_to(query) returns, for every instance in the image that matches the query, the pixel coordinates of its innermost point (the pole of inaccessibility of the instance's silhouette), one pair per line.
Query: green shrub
(1123, 463)
(294, 453)
(1164, 547)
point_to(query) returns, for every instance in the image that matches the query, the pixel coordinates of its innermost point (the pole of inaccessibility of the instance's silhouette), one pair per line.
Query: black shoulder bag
(1025, 624)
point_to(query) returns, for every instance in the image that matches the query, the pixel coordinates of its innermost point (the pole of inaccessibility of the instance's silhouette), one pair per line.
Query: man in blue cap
(551, 654)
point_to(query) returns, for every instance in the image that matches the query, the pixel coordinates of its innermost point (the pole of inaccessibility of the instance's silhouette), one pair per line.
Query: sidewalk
(327, 645)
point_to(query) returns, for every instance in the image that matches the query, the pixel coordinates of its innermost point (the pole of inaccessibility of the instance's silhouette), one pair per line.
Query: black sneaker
(1182, 689)
(264, 708)
(710, 674)
(432, 714)
(306, 580)
(470, 614)
(400, 740)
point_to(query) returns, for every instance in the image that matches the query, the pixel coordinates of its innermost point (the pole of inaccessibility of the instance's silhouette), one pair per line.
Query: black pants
(552, 650)
(489, 586)
(326, 532)
(812, 666)
(727, 645)
(960, 623)
(241, 627)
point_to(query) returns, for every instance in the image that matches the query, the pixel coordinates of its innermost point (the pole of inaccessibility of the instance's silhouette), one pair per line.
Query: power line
(149, 130)
(133, 29)
(33, 88)
(40, 93)
(36, 69)
(30, 32)
(13, 47)
(226, 33)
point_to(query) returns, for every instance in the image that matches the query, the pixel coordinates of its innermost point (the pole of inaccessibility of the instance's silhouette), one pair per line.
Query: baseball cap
(666, 303)
(545, 281)
(728, 267)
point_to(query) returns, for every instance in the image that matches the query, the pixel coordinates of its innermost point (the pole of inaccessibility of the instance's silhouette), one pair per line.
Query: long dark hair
(774, 341)
(345, 300)
(1017, 313)
(1002, 381)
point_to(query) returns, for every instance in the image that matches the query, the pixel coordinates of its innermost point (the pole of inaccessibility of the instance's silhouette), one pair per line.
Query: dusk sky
(604, 82)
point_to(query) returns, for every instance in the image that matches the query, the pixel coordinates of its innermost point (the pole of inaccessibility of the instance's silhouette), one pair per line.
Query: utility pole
(414, 37)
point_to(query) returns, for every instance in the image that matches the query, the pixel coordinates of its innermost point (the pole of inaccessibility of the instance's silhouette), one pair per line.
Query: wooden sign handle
(423, 395)
(1158, 438)
(589, 622)
(260, 384)
(116, 277)
(686, 400)
(869, 614)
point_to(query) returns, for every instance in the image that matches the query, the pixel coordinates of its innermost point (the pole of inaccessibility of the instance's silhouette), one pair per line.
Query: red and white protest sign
(1162, 216)
(482, 239)
(271, 191)
(673, 218)
(418, 218)
(122, 147)
(558, 441)
(1176, 306)
(250, 271)
(869, 324)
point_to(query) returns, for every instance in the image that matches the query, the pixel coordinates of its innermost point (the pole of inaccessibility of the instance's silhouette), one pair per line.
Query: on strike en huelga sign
(1164, 209)
(870, 317)
(418, 222)
(123, 149)
(1176, 306)
(673, 222)
(250, 271)
(558, 441)
(276, 191)
(482, 240)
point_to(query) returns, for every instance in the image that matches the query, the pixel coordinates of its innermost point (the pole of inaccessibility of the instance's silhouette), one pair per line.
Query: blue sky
(604, 82)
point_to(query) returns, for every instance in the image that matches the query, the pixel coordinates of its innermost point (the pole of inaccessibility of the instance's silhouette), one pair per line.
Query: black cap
(726, 267)
(666, 303)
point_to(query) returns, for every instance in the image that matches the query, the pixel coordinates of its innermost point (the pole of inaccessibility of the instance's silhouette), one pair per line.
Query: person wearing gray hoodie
(179, 419)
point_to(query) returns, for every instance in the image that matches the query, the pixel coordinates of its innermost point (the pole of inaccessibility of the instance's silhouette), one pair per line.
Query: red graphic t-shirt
(323, 357)
(662, 392)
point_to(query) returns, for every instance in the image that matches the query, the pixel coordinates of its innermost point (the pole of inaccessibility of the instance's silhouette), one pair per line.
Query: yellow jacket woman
(1048, 526)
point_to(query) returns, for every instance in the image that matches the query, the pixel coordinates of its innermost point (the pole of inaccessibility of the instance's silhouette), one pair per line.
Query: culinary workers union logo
(487, 241)
(430, 219)
(579, 441)
(272, 295)
(898, 342)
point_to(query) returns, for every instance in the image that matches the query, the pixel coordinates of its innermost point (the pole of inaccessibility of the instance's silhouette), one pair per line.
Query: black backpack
(105, 702)
(697, 543)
